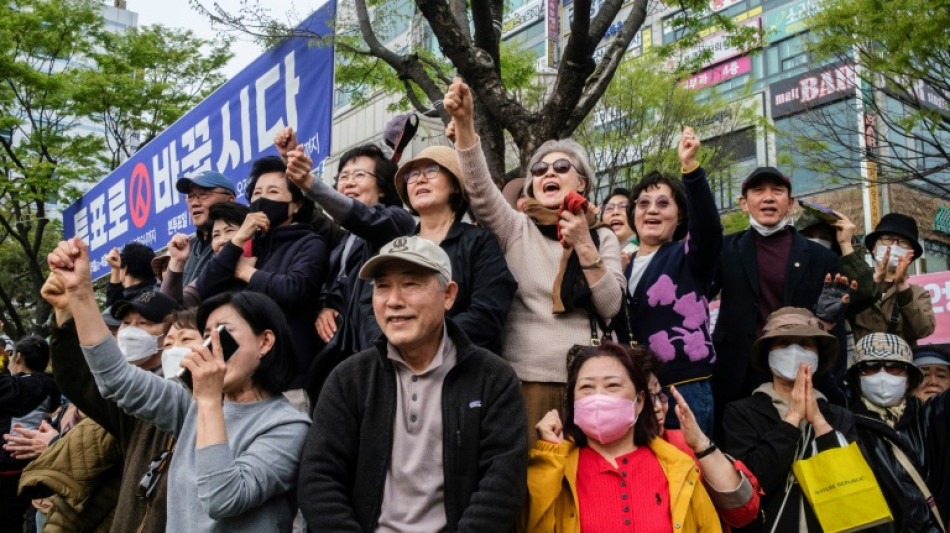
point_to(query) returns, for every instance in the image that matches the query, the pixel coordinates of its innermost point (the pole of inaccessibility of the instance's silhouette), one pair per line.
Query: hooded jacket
(552, 490)
(80, 474)
(291, 266)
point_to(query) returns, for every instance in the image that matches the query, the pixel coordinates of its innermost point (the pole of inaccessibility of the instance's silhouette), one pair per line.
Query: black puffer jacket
(755, 433)
(906, 502)
(486, 287)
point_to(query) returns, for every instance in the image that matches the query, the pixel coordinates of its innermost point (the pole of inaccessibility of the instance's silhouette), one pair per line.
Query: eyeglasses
(203, 195)
(660, 398)
(661, 203)
(561, 166)
(894, 368)
(360, 176)
(619, 206)
(151, 478)
(428, 173)
(888, 240)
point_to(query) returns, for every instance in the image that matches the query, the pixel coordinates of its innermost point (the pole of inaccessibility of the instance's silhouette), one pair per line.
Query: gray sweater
(242, 485)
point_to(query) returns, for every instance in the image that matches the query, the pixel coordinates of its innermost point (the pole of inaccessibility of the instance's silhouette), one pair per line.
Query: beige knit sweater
(537, 340)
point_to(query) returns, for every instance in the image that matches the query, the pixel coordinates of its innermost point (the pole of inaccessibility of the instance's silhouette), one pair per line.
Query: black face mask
(277, 212)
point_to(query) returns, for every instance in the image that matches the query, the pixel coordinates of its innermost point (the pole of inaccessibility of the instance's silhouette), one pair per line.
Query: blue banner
(289, 85)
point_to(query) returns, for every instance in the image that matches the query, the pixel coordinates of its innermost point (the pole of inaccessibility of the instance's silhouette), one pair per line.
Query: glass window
(816, 147)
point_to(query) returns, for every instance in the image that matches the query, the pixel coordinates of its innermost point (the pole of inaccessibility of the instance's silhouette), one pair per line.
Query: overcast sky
(177, 13)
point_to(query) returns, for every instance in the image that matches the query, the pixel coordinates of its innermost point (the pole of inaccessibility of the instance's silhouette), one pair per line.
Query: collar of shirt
(392, 353)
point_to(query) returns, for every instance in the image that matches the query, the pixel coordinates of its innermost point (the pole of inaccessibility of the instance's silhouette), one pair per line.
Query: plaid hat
(794, 322)
(206, 180)
(153, 306)
(766, 173)
(880, 347)
(415, 250)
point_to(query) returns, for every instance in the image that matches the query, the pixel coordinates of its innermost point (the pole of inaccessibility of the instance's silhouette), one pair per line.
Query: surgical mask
(277, 212)
(784, 362)
(883, 389)
(604, 418)
(171, 360)
(823, 242)
(896, 253)
(136, 344)
(766, 231)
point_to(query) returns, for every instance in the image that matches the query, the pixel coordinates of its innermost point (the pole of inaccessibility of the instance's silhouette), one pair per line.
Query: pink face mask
(604, 418)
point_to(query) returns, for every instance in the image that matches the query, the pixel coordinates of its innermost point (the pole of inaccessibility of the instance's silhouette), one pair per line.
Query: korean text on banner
(289, 85)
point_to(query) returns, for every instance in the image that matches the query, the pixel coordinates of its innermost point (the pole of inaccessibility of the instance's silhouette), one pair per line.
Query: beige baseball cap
(415, 250)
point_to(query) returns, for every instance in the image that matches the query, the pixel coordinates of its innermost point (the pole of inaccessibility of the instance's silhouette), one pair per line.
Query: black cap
(152, 305)
(766, 173)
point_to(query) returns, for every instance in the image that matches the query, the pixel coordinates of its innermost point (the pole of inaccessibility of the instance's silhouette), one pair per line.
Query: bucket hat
(443, 156)
(794, 322)
(880, 347)
(896, 224)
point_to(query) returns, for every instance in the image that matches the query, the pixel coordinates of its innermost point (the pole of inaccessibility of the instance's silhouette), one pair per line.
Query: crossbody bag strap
(893, 321)
(919, 481)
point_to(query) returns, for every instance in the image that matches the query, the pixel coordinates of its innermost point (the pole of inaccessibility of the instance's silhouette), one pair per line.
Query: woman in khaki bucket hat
(787, 419)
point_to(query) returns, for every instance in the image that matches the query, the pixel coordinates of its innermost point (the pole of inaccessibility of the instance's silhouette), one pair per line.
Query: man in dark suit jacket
(761, 269)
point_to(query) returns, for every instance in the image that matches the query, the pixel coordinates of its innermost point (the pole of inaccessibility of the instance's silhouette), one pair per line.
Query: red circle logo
(140, 195)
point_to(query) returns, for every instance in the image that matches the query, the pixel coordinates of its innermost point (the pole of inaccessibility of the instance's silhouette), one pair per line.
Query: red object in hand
(576, 204)
(248, 248)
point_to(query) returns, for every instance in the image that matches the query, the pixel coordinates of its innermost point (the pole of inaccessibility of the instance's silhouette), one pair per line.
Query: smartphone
(820, 211)
(228, 347)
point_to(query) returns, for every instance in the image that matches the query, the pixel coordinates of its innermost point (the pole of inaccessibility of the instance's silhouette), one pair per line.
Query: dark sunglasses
(895, 368)
(561, 166)
(151, 478)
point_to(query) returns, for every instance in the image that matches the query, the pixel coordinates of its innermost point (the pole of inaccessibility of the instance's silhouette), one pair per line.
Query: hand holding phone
(228, 347)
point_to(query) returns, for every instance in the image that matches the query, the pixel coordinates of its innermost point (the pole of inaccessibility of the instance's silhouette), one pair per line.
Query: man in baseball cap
(141, 327)
(201, 192)
(423, 388)
(761, 269)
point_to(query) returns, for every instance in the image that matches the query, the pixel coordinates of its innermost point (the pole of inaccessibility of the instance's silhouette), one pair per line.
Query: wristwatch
(599, 262)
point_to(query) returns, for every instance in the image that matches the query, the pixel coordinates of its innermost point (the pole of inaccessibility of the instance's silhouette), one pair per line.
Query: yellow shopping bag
(842, 490)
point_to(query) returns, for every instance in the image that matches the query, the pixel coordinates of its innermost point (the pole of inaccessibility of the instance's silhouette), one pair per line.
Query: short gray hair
(576, 154)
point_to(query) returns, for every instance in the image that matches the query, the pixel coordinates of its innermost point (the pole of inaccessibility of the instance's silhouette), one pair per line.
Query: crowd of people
(413, 349)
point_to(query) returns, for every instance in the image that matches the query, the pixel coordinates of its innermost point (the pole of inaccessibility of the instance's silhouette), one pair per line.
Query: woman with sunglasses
(238, 439)
(605, 468)
(891, 422)
(567, 265)
(731, 485)
(672, 271)
(429, 184)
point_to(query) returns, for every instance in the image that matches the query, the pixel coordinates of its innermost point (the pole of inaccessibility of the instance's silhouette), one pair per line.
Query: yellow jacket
(552, 490)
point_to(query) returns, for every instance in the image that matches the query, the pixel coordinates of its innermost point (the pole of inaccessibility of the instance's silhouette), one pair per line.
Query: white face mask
(896, 253)
(784, 362)
(823, 242)
(883, 389)
(171, 360)
(765, 231)
(137, 344)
